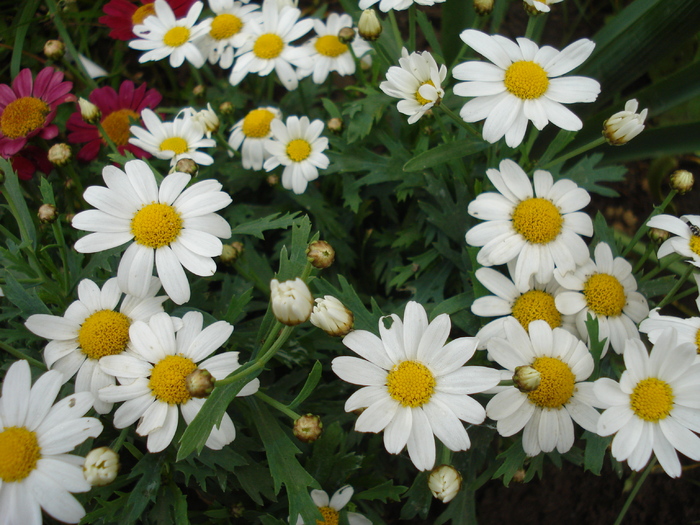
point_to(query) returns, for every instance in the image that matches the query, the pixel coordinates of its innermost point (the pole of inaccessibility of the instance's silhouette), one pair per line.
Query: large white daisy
(330, 507)
(521, 84)
(36, 470)
(228, 30)
(415, 385)
(154, 377)
(397, 5)
(170, 227)
(251, 133)
(687, 330)
(542, 229)
(687, 232)
(92, 328)
(655, 406)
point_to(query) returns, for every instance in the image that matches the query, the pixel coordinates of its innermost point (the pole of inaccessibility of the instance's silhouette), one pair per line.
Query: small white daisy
(156, 370)
(396, 5)
(521, 85)
(607, 290)
(162, 35)
(170, 227)
(418, 82)
(656, 405)
(36, 470)
(414, 385)
(174, 140)
(540, 6)
(251, 133)
(555, 364)
(298, 146)
(687, 240)
(228, 30)
(92, 328)
(330, 508)
(542, 230)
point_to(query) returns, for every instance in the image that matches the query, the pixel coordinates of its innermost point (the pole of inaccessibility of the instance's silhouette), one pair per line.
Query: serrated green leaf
(256, 481)
(512, 460)
(148, 470)
(418, 499)
(594, 454)
(588, 176)
(445, 153)
(384, 492)
(263, 224)
(364, 319)
(311, 382)
(603, 233)
(363, 113)
(18, 206)
(658, 286)
(27, 301)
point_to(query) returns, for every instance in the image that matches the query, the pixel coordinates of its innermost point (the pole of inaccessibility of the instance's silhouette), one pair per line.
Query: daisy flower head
(36, 470)
(91, 328)
(687, 236)
(228, 30)
(118, 111)
(549, 367)
(167, 226)
(122, 15)
(162, 35)
(330, 507)
(153, 377)
(655, 407)
(414, 385)
(397, 5)
(541, 227)
(522, 84)
(251, 133)
(298, 146)
(174, 140)
(417, 81)
(269, 46)
(687, 330)
(29, 106)
(605, 288)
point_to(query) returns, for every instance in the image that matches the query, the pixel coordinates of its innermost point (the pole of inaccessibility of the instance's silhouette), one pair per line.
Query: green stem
(276, 404)
(107, 138)
(358, 69)
(117, 443)
(535, 25)
(665, 263)
(459, 120)
(670, 295)
(395, 29)
(641, 231)
(633, 494)
(21, 355)
(647, 252)
(412, 27)
(594, 144)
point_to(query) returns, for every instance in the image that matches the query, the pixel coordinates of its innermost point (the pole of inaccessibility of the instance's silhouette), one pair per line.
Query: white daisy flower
(228, 30)
(557, 364)
(396, 5)
(656, 405)
(540, 6)
(250, 135)
(542, 231)
(269, 46)
(414, 384)
(92, 328)
(174, 140)
(36, 470)
(156, 370)
(298, 146)
(162, 35)
(687, 232)
(607, 290)
(418, 81)
(330, 508)
(522, 85)
(169, 227)
(206, 118)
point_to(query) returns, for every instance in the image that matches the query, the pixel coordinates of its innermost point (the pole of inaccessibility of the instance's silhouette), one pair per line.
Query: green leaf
(603, 233)
(384, 492)
(258, 226)
(148, 470)
(18, 206)
(293, 260)
(363, 113)
(255, 479)
(596, 345)
(418, 499)
(445, 153)
(27, 301)
(657, 287)
(311, 382)
(331, 108)
(513, 460)
(652, 143)
(587, 176)
(364, 319)
(594, 454)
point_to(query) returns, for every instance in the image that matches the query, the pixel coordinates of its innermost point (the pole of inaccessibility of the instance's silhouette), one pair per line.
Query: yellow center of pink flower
(22, 116)
(116, 125)
(142, 13)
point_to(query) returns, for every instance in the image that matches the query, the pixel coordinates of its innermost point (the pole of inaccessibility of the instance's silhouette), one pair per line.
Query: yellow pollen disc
(176, 144)
(604, 294)
(537, 220)
(410, 383)
(167, 381)
(116, 125)
(697, 341)
(330, 516)
(694, 243)
(330, 46)
(19, 452)
(104, 333)
(423, 101)
(22, 116)
(556, 383)
(298, 150)
(652, 399)
(536, 305)
(176, 36)
(142, 13)
(526, 80)
(256, 124)
(268, 46)
(225, 26)
(156, 225)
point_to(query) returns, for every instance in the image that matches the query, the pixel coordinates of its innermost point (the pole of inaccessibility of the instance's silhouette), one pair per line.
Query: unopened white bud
(623, 126)
(369, 27)
(89, 111)
(206, 118)
(331, 316)
(682, 181)
(483, 7)
(291, 301)
(444, 482)
(526, 378)
(101, 466)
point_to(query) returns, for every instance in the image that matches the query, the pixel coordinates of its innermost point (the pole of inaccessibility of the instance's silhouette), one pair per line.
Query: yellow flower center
(22, 116)
(652, 399)
(410, 383)
(19, 452)
(176, 36)
(423, 101)
(556, 383)
(330, 46)
(298, 150)
(526, 79)
(142, 13)
(256, 124)
(330, 516)
(268, 46)
(176, 144)
(156, 225)
(537, 220)
(225, 26)
(535, 305)
(116, 125)
(697, 341)
(167, 381)
(693, 244)
(104, 333)
(604, 294)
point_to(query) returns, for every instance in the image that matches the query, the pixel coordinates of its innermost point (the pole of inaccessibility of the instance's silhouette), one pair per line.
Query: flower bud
(658, 235)
(188, 166)
(89, 111)
(346, 35)
(335, 125)
(526, 378)
(682, 181)
(272, 180)
(291, 301)
(320, 254)
(231, 252)
(200, 383)
(483, 7)
(101, 466)
(226, 108)
(47, 213)
(369, 27)
(54, 49)
(308, 428)
(198, 90)
(444, 482)
(59, 154)
(331, 316)
(623, 126)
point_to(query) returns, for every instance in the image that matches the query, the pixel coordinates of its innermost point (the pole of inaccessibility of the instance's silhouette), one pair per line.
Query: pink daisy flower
(121, 15)
(28, 107)
(30, 159)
